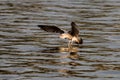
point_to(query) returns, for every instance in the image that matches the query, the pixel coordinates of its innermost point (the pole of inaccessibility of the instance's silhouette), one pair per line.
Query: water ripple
(28, 53)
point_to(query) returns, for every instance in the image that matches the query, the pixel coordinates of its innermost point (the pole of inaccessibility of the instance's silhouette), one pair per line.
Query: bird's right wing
(74, 31)
(51, 29)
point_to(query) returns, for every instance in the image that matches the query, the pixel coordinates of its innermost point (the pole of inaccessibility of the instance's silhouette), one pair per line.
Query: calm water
(28, 53)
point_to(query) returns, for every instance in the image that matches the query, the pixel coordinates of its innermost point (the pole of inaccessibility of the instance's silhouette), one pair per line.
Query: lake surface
(28, 53)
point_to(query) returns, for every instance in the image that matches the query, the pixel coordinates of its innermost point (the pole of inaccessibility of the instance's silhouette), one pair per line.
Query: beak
(80, 41)
(77, 42)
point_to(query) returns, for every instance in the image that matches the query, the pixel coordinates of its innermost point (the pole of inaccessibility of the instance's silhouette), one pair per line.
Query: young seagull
(72, 35)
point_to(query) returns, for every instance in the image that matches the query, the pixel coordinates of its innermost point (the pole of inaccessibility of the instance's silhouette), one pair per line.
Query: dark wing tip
(41, 26)
(73, 23)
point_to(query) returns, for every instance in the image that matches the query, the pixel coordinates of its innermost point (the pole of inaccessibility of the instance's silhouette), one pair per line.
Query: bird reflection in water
(72, 52)
(67, 57)
(73, 56)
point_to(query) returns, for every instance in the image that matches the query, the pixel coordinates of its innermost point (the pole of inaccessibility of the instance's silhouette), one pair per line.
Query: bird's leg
(70, 44)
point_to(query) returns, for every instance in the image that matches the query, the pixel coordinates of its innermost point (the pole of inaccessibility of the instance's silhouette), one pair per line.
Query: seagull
(72, 35)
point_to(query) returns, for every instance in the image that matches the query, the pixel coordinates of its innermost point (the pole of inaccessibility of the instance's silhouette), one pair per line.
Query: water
(28, 53)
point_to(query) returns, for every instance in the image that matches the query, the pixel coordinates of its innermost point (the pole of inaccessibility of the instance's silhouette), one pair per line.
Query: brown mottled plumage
(72, 35)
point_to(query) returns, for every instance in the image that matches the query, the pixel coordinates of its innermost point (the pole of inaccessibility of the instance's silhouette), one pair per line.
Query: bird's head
(78, 41)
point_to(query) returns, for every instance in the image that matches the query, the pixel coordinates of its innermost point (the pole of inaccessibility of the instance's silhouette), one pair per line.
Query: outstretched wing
(51, 29)
(74, 31)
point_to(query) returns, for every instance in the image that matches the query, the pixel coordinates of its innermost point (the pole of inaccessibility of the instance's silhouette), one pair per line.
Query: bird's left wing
(51, 29)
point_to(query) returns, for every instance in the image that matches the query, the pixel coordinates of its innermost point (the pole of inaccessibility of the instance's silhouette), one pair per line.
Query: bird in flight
(72, 35)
